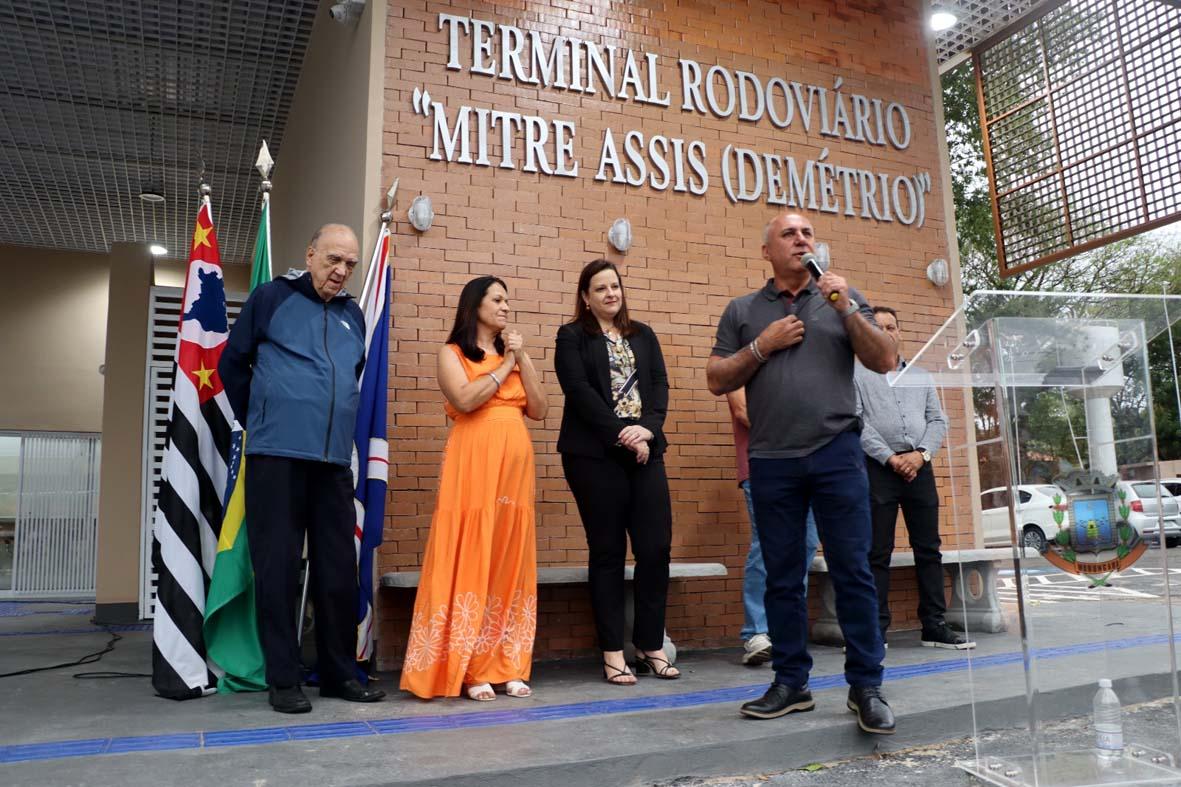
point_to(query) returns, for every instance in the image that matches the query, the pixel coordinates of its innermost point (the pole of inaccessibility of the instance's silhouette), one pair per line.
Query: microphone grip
(814, 269)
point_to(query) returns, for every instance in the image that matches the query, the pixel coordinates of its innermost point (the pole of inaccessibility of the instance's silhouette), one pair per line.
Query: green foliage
(1141, 264)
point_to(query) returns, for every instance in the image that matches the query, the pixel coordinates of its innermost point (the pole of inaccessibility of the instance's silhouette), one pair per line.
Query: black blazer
(590, 426)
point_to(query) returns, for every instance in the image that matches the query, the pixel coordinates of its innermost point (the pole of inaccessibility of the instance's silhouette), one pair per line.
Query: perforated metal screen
(103, 99)
(1082, 127)
(978, 19)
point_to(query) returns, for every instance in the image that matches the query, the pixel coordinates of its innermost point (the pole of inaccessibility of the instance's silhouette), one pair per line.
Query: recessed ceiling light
(942, 20)
(151, 195)
(157, 250)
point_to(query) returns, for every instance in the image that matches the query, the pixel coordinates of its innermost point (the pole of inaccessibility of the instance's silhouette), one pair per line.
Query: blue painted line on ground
(184, 740)
(53, 751)
(347, 729)
(474, 719)
(246, 737)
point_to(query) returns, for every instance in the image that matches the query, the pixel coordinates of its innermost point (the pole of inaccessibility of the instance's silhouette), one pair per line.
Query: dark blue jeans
(832, 481)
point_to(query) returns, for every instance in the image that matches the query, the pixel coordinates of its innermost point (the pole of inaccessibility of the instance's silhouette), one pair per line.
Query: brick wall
(691, 254)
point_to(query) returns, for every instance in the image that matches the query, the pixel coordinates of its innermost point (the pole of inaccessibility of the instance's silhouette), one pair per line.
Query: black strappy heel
(647, 665)
(619, 673)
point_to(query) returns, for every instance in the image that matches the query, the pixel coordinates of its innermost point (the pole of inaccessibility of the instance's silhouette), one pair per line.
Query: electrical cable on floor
(89, 658)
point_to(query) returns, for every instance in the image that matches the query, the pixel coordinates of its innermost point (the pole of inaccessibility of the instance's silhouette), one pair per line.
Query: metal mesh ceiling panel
(978, 19)
(1081, 116)
(101, 100)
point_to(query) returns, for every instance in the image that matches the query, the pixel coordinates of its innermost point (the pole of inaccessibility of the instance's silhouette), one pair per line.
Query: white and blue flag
(370, 450)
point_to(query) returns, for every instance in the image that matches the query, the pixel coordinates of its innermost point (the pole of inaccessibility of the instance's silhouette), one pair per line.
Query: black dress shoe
(944, 637)
(353, 691)
(779, 700)
(289, 700)
(873, 714)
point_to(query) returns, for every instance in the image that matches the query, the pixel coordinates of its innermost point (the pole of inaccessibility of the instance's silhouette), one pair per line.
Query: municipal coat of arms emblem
(1094, 537)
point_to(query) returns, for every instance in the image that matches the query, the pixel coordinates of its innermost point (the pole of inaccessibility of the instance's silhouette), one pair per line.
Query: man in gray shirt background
(901, 430)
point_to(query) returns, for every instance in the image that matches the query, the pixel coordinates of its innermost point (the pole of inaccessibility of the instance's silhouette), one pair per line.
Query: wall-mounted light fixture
(157, 250)
(421, 213)
(348, 11)
(620, 235)
(938, 273)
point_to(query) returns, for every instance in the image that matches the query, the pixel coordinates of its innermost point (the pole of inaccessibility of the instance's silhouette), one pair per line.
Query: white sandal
(517, 688)
(481, 692)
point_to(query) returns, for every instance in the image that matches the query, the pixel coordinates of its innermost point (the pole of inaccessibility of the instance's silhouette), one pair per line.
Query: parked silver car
(1146, 517)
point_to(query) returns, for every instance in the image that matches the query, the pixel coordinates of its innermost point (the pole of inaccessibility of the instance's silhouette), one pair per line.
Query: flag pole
(371, 476)
(204, 191)
(387, 216)
(264, 164)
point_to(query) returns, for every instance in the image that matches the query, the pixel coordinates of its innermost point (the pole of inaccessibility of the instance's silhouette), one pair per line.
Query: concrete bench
(577, 575)
(974, 605)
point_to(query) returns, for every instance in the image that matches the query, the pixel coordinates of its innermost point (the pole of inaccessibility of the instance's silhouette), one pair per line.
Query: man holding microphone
(792, 345)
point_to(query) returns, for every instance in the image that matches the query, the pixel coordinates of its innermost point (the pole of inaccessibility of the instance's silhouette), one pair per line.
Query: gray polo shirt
(803, 396)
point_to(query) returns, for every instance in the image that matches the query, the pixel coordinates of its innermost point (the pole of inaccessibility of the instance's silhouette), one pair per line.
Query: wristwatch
(925, 454)
(851, 309)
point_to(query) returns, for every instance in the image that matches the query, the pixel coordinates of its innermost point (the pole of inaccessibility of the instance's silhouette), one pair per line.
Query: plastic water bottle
(1109, 730)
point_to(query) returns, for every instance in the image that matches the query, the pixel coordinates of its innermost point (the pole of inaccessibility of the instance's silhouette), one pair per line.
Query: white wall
(329, 166)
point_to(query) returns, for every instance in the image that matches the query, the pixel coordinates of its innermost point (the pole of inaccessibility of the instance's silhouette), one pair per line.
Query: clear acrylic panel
(1055, 531)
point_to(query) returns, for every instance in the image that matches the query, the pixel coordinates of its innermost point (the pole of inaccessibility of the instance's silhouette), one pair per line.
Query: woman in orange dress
(476, 609)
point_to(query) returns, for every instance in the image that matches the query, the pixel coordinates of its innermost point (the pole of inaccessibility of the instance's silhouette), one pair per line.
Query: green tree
(1141, 264)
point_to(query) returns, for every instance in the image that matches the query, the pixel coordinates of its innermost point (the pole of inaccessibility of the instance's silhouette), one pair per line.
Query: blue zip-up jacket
(290, 370)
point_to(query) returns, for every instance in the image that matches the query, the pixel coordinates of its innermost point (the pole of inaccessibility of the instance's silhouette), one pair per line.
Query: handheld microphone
(816, 266)
(812, 263)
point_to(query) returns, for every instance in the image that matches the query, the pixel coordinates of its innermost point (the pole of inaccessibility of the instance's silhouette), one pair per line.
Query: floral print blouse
(624, 390)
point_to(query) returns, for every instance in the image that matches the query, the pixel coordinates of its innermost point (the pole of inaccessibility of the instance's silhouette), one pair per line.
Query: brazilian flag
(231, 625)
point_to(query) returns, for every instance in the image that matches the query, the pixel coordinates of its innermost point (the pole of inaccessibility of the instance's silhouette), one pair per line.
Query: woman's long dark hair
(583, 313)
(467, 317)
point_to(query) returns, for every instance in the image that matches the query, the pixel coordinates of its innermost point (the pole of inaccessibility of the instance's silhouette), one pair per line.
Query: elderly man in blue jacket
(290, 370)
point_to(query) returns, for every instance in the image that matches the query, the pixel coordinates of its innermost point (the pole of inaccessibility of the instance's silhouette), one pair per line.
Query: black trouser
(617, 497)
(285, 498)
(920, 509)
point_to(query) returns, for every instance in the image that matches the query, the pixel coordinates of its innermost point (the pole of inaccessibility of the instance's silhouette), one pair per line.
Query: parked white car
(1173, 485)
(1144, 515)
(1035, 515)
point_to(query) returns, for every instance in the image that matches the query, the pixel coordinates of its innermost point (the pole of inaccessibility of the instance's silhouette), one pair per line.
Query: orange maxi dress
(476, 610)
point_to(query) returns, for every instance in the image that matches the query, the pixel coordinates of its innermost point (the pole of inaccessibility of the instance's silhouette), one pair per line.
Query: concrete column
(120, 491)
(1100, 434)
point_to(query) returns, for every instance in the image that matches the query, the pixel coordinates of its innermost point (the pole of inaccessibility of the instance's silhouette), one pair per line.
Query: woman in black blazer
(612, 444)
